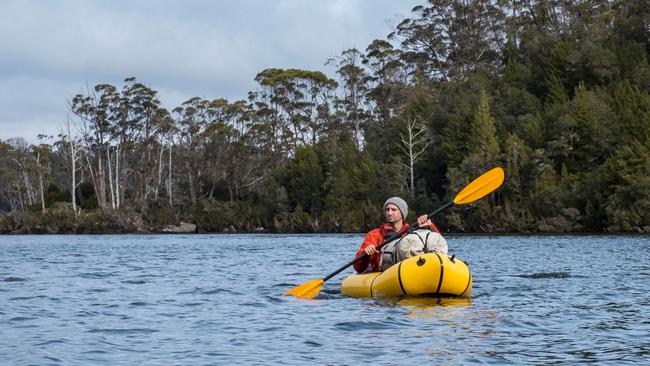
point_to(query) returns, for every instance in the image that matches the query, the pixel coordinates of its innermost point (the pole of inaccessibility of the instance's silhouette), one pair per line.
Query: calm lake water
(215, 299)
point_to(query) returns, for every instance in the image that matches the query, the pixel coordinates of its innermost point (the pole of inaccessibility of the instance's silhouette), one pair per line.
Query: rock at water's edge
(184, 227)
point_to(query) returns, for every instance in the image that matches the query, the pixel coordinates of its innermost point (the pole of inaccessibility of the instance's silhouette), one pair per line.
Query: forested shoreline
(557, 93)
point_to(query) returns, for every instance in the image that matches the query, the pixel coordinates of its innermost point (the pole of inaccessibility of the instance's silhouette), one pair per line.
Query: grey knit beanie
(400, 203)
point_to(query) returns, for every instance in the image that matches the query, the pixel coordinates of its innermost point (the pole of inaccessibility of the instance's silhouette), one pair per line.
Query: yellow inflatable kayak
(430, 274)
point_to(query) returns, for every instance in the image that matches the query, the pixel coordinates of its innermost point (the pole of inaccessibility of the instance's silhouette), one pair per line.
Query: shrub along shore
(62, 220)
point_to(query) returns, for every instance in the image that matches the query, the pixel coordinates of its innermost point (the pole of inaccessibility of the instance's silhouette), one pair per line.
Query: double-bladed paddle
(478, 188)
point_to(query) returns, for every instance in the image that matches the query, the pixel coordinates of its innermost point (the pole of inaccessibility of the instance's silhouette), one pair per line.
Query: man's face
(393, 214)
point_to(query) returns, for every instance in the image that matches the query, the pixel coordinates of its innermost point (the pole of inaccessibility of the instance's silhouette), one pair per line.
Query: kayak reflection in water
(426, 239)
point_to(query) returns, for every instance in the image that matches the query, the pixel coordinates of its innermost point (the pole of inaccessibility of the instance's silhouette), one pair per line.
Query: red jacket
(376, 237)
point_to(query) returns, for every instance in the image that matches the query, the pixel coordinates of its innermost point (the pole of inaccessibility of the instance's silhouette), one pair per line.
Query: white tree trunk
(411, 163)
(74, 156)
(169, 188)
(118, 153)
(73, 185)
(100, 190)
(28, 189)
(110, 176)
(90, 169)
(40, 182)
(20, 197)
(160, 168)
(412, 145)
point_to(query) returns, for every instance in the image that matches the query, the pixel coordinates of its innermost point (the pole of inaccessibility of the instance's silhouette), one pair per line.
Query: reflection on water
(215, 299)
(545, 275)
(433, 302)
(427, 307)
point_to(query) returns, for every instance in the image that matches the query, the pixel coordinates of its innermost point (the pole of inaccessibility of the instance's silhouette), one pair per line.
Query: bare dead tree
(74, 151)
(413, 142)
(42, 166)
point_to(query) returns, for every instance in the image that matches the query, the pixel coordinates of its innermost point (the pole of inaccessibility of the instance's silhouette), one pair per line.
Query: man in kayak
(396, 210)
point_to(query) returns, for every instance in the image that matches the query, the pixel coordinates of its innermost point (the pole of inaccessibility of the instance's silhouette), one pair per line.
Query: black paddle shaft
(392, 237)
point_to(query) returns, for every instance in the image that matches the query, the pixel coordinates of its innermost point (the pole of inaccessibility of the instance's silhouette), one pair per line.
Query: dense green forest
(555, 92)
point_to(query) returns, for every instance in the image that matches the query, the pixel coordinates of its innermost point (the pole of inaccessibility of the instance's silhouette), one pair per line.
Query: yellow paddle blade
(480, 187)
(307, 290)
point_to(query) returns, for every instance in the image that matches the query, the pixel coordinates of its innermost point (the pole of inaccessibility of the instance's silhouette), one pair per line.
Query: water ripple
(54, 341)
(122, 330)
(96, 275)
(134, 282)
(544, 275)
(199, 299)
(19, 298)
(14, 279)
(22, 318)
(361, 325)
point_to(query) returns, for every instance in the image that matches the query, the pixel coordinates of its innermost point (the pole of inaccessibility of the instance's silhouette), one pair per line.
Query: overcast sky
(51, 50)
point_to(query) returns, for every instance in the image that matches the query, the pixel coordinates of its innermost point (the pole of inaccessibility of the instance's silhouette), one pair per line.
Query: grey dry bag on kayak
(418, 242)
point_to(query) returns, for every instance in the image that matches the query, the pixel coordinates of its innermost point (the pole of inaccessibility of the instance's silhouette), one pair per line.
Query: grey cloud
(51, 50)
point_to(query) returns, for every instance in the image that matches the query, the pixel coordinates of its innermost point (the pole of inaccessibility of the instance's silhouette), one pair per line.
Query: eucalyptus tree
(319, 111)
(144, 120)
(268, 131)
(41, 155)
(94, 111)
(448, 39)
(168, 138)
(295, 98)
(5, 199)
(250, 161)
(22, 158)
(191, 119)
(70, 149)
(12, 185)
(243, 160)
(388, 77)
(216, 142)
(354, 83)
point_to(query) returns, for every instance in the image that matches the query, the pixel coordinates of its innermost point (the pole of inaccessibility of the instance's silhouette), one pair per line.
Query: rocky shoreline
(63, 220)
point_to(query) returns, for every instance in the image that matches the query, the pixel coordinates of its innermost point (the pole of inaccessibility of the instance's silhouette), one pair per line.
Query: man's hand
(371, 250)
(424, 221)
